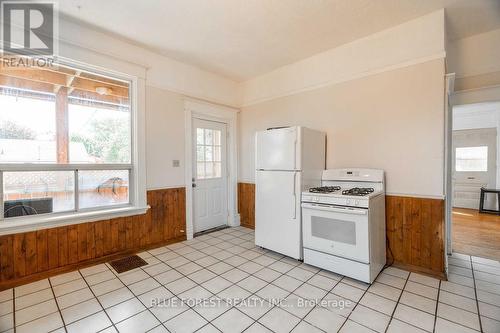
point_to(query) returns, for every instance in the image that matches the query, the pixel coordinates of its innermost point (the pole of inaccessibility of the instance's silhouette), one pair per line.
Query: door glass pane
(217, 169)
(209, 169)
(40, 192)
(217, 135)
(99, 188)
(200, 153)
(199, 136)
(209, 153)
(200, 170)
(209, 136)
(471, 159)
(209, 150)
(217, 154)
(335, 230)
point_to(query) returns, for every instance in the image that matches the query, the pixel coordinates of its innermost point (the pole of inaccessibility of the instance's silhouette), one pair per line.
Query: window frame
(136, 185)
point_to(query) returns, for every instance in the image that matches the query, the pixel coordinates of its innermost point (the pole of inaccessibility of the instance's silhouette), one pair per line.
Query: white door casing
(204, 110)
(209, 174)
(468, 179)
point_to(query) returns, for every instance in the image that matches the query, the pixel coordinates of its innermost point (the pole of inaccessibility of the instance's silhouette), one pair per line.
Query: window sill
(33, 223)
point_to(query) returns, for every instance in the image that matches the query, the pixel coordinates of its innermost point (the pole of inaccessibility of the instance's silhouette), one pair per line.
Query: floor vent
(128, 263)
(210, 231)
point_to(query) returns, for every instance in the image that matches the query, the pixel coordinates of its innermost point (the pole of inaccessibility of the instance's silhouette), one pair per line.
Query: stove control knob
(348, 202)
(356, 203)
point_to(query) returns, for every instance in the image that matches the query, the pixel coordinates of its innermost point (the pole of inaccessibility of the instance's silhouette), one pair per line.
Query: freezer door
(277, 149)
(277, 212)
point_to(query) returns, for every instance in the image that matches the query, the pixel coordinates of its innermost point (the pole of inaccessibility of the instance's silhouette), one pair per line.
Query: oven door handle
(328, 208)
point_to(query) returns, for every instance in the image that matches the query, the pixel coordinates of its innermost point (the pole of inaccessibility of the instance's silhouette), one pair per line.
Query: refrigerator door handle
(294, 216)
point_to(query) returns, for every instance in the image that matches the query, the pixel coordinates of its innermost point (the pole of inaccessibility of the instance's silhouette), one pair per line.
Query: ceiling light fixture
(103, 90)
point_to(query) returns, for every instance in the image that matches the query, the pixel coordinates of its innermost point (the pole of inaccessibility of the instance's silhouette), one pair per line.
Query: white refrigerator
(288, 160)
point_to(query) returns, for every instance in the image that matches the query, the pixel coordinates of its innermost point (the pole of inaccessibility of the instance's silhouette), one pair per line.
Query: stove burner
(324, 189)
(357, 191)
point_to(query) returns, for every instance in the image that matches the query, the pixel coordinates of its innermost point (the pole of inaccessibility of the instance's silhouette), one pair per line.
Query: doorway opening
(475, 165)
(209, 181)
(211, 167)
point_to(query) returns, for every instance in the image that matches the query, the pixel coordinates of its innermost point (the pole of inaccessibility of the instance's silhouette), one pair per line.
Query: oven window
(335, 230)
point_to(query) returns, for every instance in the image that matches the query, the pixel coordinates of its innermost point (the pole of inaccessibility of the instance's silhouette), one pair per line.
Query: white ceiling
(242, 39)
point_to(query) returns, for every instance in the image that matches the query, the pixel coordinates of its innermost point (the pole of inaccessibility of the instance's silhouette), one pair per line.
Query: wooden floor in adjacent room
(475, 233)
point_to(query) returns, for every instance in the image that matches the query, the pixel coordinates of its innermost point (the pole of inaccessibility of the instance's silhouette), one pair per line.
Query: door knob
(194, 185)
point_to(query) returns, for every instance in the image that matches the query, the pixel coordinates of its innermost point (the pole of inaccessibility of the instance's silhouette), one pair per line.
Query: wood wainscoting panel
(415, 232)
(246, 204)
(29, 256)
(414, 226)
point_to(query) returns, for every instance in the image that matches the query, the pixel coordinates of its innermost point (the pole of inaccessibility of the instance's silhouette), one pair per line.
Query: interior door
(474, 158)
(276, 149)
(277, 212)
(209, 174)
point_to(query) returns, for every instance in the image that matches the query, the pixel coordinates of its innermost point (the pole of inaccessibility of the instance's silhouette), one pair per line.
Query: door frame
(219, 113)
(452, 98)
(448, 190)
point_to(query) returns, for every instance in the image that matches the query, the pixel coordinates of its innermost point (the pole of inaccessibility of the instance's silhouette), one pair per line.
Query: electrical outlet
(176, 163)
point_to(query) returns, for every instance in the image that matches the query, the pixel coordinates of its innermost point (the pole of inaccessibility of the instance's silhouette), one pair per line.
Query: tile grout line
(161, 262)
(220, 275)
(136, 296)
(230, 243)
(437, 306)
(303, 283)
(14, 309)
(249, 274)
(98, 301)
(33, 319)
(268, 283)
(234, 283)
(197, 284)
(355, 306)
(81, 276)
(57, 304)
(475, 293)
(331, 292)
(398, 302)
(478, 314)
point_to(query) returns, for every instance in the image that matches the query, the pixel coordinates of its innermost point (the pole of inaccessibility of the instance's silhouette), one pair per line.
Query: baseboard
(250, 226)
(421, 270)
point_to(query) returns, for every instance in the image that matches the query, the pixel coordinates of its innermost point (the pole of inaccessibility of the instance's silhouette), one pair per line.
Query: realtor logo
(28, 28)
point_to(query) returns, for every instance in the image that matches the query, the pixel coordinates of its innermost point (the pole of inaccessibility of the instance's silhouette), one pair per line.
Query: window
(65, 141)
(471, 159)
(208, 153)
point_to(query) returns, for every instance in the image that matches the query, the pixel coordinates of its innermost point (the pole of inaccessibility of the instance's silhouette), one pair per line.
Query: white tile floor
(240, 286)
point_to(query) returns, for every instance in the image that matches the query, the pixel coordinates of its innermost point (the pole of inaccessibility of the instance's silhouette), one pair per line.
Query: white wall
(415, 41)
(390, 85)
(380, 100)
(392, 121)
(475, 55)
(164, 137)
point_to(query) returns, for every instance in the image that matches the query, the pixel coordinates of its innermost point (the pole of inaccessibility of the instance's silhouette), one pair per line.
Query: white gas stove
(344, 223)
